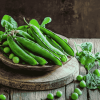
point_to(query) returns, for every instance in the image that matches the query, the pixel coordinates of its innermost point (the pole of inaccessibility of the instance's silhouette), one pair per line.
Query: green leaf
(1, 32)
(23, 28)
(9, 22)
(87, 46)
(34, 22)
(97, 55)
(83, 60)
(90, 59)
(89, 65)
(91, 81)
(99, 62)
(46, 21)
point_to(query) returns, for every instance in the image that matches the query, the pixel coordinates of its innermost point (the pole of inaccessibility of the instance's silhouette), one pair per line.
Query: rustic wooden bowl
(43, 68)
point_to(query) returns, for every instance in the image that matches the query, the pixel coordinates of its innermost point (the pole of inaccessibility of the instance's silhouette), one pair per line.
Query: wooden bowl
(23, 67)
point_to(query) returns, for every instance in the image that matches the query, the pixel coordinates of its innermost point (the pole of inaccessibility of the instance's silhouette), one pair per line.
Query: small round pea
(15, 59)
(2, 97)
(82, 84)
(6, 49)
(58, 93)
(79, 77)
(78, 91)
(74, 96)
(50, 96)
(11, 56)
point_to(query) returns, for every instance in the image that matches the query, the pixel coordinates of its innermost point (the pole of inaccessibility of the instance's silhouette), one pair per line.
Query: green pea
(97, 72)
(79, 77)
(78, 91)
(6, 49)
(11, 56)
(2, 97)
(58, 93)
(74, 96)
(5, 43)
(15, 59)
(50, 96)
(82, 84)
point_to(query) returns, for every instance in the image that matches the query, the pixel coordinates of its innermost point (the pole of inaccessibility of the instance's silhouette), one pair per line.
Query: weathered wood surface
(14, 94)
(71, 18)
(42, 81)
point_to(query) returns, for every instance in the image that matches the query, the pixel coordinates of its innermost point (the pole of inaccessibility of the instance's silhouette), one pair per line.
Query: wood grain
(15, 94)
(50, 80)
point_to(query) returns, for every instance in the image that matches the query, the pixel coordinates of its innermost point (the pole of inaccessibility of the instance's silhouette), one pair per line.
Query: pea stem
(25, 21)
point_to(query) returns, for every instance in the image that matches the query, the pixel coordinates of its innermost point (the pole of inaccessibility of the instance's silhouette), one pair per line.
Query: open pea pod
(9, 22)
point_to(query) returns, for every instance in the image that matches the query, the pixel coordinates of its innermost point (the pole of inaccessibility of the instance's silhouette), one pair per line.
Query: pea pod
(63, 58)
(19, 52)
(55, 45)
(36, 48)
(24, 34)
(40, 60)
(40, 35)
(59, 40)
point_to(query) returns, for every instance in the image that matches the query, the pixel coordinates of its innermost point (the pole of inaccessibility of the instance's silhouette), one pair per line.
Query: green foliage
(85, 57)
(87, 46)
(23, 28)
(34, 22)
(8, 22)
(46, 21)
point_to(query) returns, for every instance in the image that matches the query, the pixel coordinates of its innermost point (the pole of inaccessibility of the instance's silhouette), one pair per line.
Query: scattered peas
(15, 59)
(11, 56)
(6, 49)
(58, 93)
(79, 77)
(74, 96)
(78, 91)
(50, 96)
(97, 72)
(82, 84)
(2, 97)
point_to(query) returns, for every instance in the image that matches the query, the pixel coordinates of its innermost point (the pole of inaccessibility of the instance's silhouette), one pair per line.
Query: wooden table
(14, 94)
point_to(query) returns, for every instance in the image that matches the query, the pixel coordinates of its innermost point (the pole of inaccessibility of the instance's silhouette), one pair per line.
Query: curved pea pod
(41, 36)
(24, 34)
(51, 41)
(67, 48)
(19, 52)
(40, 60)
(63, 58)
(36, 48)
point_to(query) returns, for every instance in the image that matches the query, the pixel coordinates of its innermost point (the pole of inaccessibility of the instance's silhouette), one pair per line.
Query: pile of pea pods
(32, 43)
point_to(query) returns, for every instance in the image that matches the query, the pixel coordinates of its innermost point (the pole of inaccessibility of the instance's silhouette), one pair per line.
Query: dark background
(71, 18)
